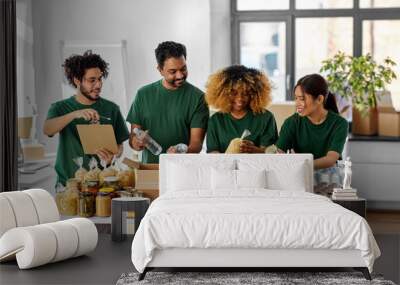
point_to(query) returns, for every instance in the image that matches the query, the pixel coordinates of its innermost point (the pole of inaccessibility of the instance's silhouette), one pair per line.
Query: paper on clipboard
(95, 136)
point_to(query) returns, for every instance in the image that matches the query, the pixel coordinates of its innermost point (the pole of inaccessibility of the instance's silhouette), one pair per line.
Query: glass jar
(111, 182)
(113, 194)
(86, 204)
(91, 186)
(126, 178)
(73, 183)
(103, 204)
(67, 200)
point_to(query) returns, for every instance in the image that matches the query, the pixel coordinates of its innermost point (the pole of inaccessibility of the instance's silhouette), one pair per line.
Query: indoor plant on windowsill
(359, 79)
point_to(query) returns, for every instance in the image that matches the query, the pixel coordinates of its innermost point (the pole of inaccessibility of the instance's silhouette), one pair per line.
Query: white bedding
(252, 218)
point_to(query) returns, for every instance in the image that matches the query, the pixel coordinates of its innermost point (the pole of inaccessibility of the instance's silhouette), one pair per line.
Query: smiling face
(174, 71)
(239, 101)
(305, 103)
(91, 84)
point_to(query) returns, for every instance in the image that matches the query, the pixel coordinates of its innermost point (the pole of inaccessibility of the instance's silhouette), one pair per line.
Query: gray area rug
(229, 278)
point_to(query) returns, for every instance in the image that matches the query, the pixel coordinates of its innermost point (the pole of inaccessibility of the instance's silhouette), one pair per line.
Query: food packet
(271, 149)
(94, 170)
(234, 145)
(81, 172)
(106, 172)
(126, 175)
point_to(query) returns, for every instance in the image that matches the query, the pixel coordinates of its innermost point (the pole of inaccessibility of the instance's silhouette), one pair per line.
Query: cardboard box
(146, 177)
(33, 152)
(282, 111)
(24, 127)
(388, 122)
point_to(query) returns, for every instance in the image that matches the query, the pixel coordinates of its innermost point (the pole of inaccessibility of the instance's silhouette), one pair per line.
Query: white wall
(142, 23)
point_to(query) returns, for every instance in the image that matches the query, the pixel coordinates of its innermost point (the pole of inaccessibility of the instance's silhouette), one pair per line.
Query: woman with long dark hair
(316, 127)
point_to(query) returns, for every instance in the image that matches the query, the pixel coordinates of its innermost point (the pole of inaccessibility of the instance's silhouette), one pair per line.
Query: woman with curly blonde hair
(240, 95)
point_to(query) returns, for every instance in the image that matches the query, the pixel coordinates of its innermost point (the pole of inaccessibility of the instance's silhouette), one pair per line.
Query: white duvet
(250, 219)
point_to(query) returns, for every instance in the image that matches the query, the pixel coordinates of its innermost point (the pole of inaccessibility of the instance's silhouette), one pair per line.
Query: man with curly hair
(241, 96)
(85, 73)
(171, 109)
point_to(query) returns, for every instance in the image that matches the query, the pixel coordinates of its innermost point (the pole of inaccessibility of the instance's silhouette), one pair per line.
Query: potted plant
(360, 80)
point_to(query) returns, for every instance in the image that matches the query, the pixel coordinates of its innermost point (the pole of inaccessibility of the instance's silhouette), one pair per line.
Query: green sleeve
(134, 115)
(53, 112)
(339, 137)
(200, 115)
(286, 135)
(212, 137)
(270, 134)
(120, 128)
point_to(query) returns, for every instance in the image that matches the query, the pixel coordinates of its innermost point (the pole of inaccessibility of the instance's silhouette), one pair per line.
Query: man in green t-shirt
(172, 110)
(85, 73)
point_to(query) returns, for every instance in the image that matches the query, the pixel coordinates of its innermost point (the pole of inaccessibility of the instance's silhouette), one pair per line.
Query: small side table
(118, 217)
(357, 206)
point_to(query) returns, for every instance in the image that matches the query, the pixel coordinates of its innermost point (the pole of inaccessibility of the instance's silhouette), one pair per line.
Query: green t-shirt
(222, 128)
(300, 134)
(168, 115)
(69, 143)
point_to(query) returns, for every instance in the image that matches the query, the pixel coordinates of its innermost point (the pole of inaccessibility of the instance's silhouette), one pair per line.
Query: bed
(247, 211)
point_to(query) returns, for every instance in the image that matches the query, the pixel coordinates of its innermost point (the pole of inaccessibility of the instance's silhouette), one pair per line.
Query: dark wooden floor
(103, 266)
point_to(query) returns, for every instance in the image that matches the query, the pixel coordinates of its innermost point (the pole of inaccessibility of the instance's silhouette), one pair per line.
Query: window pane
(262, 46)
(379, 3)
(318, 39)
(324, 4)
(251, 5)
(381, 38)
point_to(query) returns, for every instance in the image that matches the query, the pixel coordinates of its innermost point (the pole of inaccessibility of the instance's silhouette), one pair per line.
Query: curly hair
(75, 66)
(169, 49)
(242, 80)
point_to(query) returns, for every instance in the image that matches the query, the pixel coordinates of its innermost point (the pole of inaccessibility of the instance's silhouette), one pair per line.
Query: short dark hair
(169, 49)
(75, 66)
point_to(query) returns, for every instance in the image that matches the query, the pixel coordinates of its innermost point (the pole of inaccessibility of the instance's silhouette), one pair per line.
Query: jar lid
(92, 182)
(107, 190)
(111, 179)
(103, 193)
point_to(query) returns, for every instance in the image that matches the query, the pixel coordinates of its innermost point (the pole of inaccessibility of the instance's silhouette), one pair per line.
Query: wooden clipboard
(95, 136)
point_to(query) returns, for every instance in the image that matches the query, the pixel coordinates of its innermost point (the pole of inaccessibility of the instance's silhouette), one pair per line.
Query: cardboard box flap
(387, 109)
(131, 163)
(137, 165)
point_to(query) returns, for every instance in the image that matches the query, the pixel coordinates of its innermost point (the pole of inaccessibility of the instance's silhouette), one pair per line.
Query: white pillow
(223, 179)
(294, 179)
(251, 178)
(187, 177)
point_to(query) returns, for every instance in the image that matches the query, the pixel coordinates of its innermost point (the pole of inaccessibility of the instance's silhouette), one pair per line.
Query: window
(262, 46)
(252, 5)
(288, 39)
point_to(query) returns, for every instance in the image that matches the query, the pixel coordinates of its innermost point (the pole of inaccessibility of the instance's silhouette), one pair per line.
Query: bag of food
(94, 170)
(106, 172)
(126, 175)
(81, 172)
(234, 145)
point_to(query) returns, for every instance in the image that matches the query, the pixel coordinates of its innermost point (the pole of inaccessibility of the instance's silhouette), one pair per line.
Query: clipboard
(95, 136)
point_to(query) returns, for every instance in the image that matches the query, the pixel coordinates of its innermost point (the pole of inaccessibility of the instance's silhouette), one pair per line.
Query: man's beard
(86, 93)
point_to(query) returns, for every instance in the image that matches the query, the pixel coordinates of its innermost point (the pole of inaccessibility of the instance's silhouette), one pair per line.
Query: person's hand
(105, 154)
(247, 147)
(137, 143)
(172, 149)
(87, 114)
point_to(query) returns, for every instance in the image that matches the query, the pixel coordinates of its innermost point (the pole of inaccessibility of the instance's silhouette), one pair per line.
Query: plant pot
(365, 125)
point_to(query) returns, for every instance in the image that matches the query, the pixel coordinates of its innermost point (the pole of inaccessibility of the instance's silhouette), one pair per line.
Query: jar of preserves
(86, 204)
(103, 204)
(91, 186)
(111, 182)
(67, 201)
(113, 194)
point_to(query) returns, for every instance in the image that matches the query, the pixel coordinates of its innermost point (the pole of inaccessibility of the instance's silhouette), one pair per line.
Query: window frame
(289, 16)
